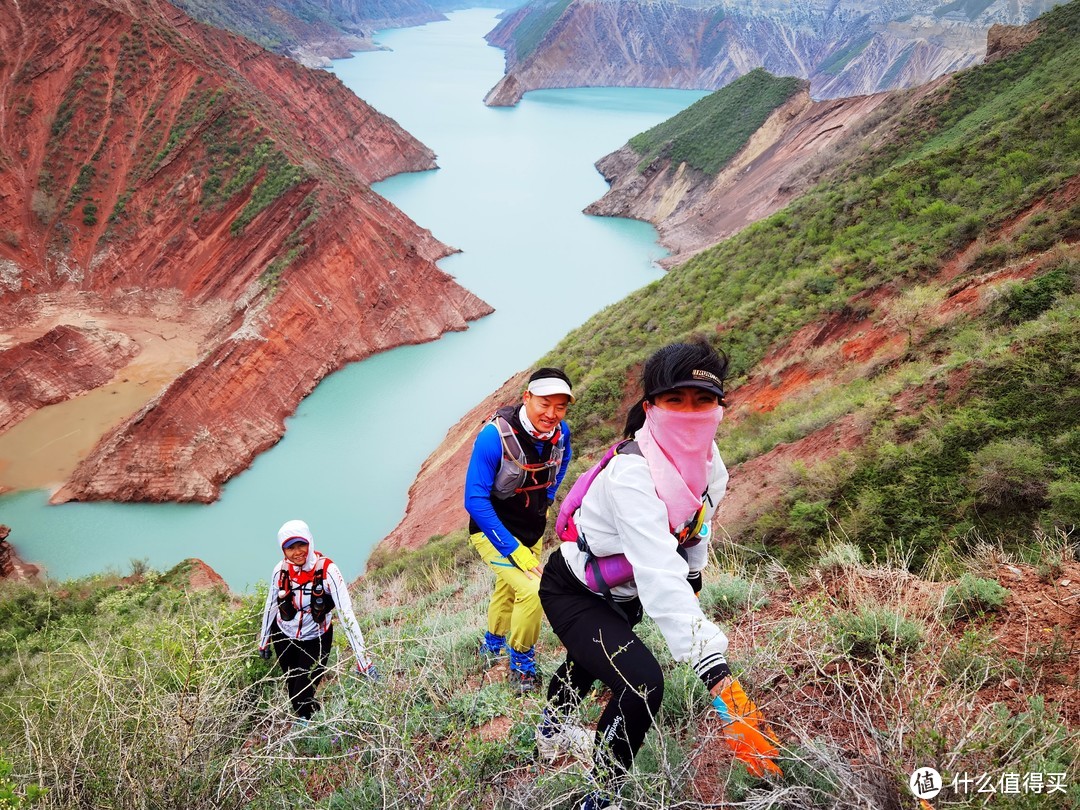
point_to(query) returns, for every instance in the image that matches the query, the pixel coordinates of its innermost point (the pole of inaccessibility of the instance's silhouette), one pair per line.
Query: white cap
(549, 386)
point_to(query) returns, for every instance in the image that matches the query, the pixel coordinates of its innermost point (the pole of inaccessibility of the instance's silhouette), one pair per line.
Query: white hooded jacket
(622, 514)
(302, 626)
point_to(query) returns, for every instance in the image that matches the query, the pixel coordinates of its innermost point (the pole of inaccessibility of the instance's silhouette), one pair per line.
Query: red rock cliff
(61, 363)
(147, 157)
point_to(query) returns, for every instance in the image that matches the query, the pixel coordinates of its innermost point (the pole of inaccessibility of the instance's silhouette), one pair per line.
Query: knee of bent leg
(643, 688)
(528, 593)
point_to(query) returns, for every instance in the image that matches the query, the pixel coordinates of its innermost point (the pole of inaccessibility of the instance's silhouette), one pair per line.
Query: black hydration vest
(321, 601)
(519, 492)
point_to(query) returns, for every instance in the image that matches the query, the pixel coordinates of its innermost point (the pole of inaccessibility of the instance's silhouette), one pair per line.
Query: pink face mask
(678, 446)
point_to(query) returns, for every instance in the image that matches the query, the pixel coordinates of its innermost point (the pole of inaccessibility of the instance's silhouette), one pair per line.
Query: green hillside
(981, 177)
(708, 133)
(906, 602)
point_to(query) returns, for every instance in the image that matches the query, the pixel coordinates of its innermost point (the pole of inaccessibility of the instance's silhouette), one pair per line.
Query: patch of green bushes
(973, 597)
(872, 634)
(442, 553)
(729, 595)
(708, 133)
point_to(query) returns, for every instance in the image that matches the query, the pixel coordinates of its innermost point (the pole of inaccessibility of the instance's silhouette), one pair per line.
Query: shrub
(968, 663)
(442, 553)
(14, 797)
(685, 697)
(809, 520)
(728, 597)
(875, 633)
(1065, 503)
(1009, 471)
(1032, 298)
(973, 596)
(839, 556)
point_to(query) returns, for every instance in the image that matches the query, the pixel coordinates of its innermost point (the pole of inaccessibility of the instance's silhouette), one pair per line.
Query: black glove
(264, 653)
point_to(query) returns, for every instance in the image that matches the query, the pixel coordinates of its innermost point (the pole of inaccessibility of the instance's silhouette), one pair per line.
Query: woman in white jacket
(643, 527)
(305, 590)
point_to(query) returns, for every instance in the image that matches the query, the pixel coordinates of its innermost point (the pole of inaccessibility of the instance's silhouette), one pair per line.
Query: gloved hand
(264, 653)
(746, 732)
(371, 673)
(523, 558)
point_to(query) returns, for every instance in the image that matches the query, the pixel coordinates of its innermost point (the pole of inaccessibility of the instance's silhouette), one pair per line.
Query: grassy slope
(711, 131)
(144, 693)
(982, 173)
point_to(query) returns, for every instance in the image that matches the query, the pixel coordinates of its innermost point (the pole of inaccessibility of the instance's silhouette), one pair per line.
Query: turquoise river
(508, 193)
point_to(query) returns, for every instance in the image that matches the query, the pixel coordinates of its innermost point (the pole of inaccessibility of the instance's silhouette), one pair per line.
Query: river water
(508, 193)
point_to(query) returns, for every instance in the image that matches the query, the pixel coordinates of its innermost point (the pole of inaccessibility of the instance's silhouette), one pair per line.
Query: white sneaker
(567, 740)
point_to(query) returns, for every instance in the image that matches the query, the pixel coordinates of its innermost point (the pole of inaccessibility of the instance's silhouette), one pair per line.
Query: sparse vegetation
(139, 691)
(729, 596)
(709, 132)
(869, 634)
(255, 22)
(973, 597)
(839, 60)
(529, 33)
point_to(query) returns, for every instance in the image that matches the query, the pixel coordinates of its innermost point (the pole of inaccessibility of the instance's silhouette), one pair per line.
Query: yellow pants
(514, 610)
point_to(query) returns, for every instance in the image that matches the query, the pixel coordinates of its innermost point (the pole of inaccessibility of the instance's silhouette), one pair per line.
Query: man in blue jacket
(518, 461)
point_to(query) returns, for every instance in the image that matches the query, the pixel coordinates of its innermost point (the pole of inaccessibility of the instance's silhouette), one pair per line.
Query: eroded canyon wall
(843, 49)
(693, 210)
(149, 158)
(311, 32)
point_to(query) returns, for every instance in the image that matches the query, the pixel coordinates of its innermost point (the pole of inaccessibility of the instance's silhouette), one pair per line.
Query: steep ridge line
(844, 49)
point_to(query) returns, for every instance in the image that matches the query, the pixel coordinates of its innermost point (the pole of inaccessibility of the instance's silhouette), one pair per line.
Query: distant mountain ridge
(312, 31)
(842, 48)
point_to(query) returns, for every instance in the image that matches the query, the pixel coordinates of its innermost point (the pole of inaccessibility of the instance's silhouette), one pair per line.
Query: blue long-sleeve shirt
(480, 478)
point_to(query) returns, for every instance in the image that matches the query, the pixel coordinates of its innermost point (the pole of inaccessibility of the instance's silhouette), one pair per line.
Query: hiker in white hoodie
(305, 590)
(642, 539)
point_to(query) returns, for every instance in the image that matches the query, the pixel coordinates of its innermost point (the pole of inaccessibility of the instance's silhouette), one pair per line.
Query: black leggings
(601, 646)
(304, 664)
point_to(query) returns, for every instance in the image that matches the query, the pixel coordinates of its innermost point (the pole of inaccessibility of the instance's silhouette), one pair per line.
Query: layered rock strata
(843, 49)
(313, 33)
(693, 210)
(11, 567)
(60, 364)
(151, 159)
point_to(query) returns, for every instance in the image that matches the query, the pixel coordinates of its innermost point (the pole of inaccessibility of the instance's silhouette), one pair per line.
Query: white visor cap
(549, 386)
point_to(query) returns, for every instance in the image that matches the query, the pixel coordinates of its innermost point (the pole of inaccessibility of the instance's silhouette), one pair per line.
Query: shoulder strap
(511, 444)
(319, 574)
(565, 527)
